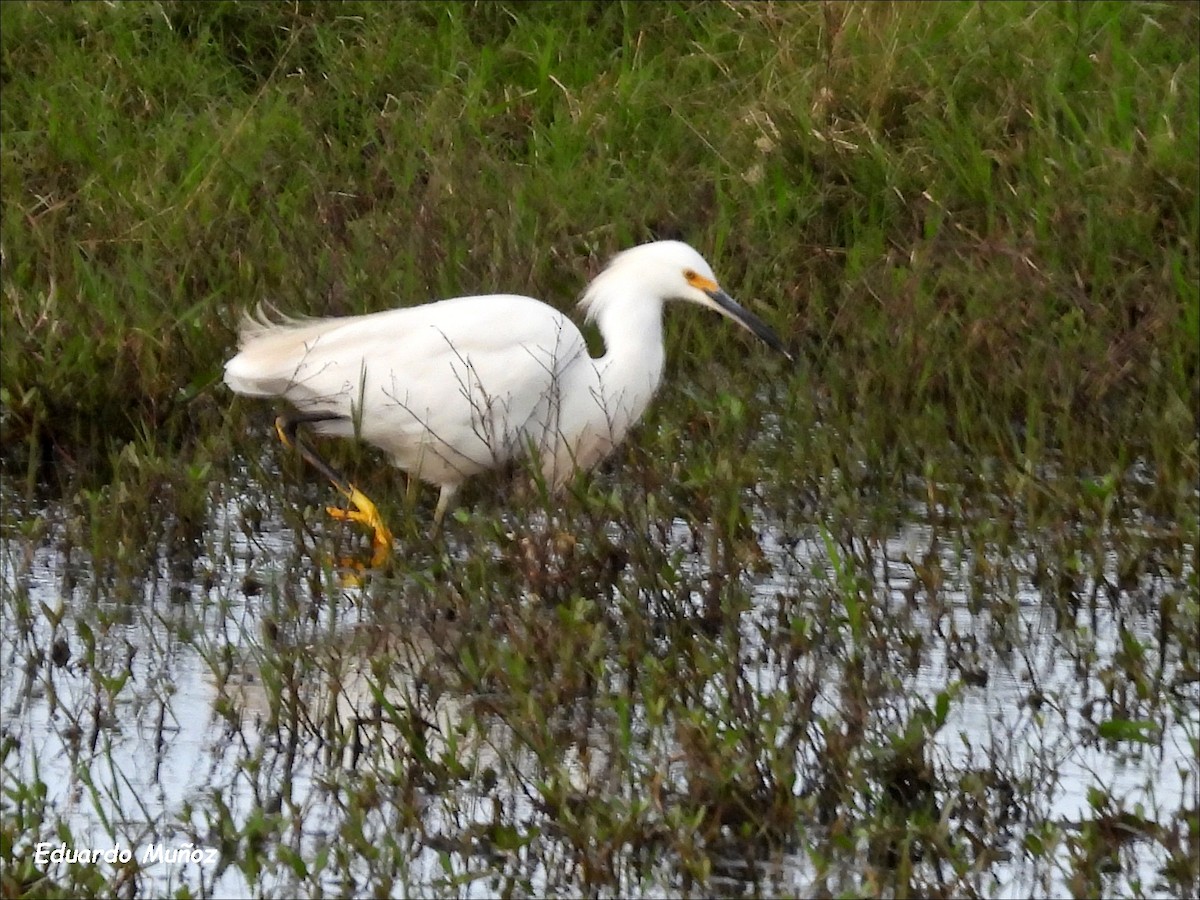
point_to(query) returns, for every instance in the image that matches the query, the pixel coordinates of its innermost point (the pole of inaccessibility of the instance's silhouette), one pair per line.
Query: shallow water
(172, 716)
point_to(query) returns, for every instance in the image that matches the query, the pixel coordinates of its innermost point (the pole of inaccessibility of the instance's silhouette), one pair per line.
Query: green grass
(975, 216)
(977, 224)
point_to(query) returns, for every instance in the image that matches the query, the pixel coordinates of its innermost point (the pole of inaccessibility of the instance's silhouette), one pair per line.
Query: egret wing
(448, 389)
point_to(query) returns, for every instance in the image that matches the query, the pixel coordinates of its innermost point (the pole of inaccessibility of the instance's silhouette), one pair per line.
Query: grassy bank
(977, 224)
(971, 219)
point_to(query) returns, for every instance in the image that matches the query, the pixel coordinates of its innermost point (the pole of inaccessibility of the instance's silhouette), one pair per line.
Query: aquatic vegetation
(917, 615)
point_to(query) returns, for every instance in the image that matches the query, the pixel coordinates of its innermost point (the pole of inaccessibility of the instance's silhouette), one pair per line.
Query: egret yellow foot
(364, 511)
(366, 514)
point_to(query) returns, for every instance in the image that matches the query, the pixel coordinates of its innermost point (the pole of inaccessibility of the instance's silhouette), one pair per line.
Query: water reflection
(186, 707)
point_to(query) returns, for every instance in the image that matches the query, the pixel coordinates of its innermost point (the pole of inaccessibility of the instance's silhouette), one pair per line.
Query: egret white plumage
(456, 387)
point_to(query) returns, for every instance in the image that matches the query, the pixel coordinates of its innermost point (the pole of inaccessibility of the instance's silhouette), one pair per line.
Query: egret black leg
(364, 511)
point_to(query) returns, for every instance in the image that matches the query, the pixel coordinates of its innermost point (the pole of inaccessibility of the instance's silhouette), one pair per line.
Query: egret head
(672, 270)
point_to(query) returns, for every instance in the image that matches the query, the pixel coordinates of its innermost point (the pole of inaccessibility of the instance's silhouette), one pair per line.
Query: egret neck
(631, 369)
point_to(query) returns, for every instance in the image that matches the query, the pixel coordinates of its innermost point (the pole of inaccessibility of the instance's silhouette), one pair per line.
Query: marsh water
(915, 615)
(226, 695)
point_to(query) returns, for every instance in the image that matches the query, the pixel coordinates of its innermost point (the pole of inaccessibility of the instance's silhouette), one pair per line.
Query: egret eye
(690, 275)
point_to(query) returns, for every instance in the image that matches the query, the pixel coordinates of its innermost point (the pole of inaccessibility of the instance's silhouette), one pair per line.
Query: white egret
(456, 387)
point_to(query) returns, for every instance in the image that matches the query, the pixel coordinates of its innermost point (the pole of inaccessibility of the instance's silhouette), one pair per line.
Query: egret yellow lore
(457, 387)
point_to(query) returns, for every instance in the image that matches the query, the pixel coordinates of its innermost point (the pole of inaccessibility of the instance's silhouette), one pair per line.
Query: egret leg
(445, 499)
(364, 512)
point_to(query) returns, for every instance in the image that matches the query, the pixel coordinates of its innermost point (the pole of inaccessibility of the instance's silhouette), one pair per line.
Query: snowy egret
(456, 387)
